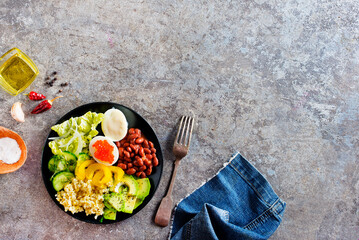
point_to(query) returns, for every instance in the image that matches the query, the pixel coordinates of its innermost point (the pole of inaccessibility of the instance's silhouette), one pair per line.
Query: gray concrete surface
(275, 80)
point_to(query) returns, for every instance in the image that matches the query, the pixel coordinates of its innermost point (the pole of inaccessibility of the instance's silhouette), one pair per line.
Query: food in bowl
(109, 189)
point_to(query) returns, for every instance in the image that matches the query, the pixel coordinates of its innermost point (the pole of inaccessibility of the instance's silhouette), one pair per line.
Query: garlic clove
(17, 113)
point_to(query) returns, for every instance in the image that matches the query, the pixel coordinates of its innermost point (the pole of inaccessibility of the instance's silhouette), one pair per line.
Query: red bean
(138, 131)
(147, 150)
(118, 144)
(130, 171)
(140, 140)
(123, 166)
(129, 165)
(129, 149)
(120, 152)
(151, 144)
(138, 174)
(141, 152)
(143, 175)
(125, 145)
(142, 168)
(131, 131)
(153, 150)
(140, 162)
(155, 162)
(127, 154)
(145, 144)
(127, 159)
(147, 162)
(149, 171)
(149, 156)
(132, 155)
(133, 136)
(135, 148)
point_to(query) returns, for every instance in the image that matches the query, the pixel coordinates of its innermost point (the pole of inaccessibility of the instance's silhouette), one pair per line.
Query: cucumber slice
(52, 164)
(61, 179)
(57, 163)
(71, 160)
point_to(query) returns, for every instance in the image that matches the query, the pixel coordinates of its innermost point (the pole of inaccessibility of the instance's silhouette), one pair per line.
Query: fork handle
(164, 211)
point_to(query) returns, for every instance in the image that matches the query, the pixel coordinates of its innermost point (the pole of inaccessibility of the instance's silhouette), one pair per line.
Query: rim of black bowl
(147, 130)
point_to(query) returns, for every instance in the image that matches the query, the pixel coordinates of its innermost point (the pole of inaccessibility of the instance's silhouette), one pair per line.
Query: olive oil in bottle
(17, 71)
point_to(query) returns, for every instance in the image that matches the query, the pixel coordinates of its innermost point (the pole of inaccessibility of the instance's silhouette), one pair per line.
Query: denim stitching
(188, 230)
(258, 220)
(275, 207)
(251, 185)
(263, 217)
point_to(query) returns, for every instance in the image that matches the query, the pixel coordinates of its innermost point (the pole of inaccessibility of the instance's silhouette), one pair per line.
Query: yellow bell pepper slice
(107, 178)
(90, 171)
(118, 173)
(80, 171)
(98, 167)
(96, 179)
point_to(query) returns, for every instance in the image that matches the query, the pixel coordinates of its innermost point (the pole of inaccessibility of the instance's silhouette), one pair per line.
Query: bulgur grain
(79, 196)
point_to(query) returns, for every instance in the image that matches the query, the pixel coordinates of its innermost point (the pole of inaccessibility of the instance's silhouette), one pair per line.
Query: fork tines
(184, 133)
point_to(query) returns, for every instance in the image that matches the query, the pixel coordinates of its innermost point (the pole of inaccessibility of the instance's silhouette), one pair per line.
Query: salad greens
(75, 133)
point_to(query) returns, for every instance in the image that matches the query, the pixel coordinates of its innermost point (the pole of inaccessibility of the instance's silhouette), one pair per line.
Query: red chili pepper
(44, 106)
(34, 96)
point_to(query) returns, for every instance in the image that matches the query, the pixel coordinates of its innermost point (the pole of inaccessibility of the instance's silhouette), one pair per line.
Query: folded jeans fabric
(237, 203)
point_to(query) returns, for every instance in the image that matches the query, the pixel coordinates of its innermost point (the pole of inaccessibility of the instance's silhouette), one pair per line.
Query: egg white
(114, 152)
(114, 124)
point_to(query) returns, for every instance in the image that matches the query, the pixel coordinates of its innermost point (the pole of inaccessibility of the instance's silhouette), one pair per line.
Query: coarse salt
(10, 151)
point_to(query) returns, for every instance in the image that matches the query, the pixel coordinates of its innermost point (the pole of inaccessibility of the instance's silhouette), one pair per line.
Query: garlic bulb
(17, 113)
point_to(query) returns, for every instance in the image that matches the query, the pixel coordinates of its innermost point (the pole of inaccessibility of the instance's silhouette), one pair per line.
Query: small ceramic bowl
(8, 168)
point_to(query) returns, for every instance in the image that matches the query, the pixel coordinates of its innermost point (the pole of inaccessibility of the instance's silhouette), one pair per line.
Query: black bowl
(134, 120)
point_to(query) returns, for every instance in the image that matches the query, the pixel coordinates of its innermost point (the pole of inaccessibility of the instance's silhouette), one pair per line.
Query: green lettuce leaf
(76, 133)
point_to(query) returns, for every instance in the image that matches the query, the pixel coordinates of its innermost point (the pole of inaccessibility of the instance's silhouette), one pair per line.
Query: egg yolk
(103, 151)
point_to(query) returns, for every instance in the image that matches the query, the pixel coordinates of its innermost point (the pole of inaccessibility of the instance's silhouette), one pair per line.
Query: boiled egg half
(103, 150)
(114, 124)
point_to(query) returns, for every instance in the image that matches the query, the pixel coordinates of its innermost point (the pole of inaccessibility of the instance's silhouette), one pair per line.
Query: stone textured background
(275, 80)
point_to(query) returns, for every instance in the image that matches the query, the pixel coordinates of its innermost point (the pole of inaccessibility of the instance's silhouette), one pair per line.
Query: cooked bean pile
(137, 155)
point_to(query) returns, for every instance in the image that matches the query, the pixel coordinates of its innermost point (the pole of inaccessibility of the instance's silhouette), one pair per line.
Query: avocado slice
(130, 202)
(144, 187)
(116, 201)
(138, 203)
(130, 182)
(109, 213)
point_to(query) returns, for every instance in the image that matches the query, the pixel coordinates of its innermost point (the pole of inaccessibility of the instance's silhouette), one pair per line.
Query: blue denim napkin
(237, 203)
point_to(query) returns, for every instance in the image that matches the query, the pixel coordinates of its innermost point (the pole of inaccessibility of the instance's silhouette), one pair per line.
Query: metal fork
(180, 150)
